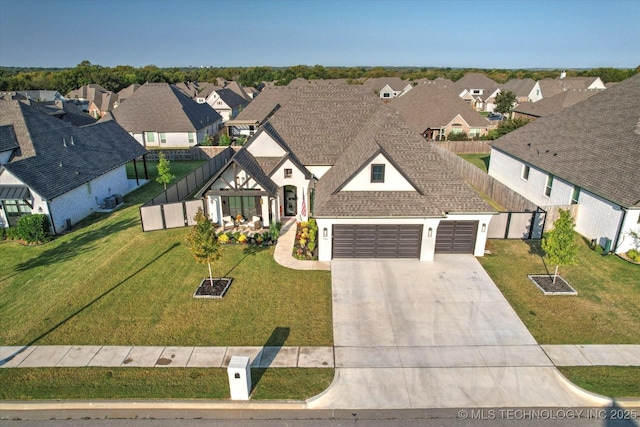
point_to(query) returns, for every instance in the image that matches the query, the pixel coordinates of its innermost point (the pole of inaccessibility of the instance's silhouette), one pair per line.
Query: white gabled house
(52, 167)
(586, 155)
(374, 186)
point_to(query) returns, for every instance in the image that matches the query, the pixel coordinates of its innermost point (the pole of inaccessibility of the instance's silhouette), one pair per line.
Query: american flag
(303, 211)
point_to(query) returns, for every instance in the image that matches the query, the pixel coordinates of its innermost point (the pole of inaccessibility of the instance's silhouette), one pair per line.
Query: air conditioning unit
(110, 202)
(119, 199)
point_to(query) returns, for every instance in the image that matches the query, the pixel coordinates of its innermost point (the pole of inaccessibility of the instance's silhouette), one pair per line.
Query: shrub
(3, 233)
(242, 239)
(223, 239)
(634, 255)
(34, 228)
(224, 140)
(274, 230)
(12, 234)
(457, 136)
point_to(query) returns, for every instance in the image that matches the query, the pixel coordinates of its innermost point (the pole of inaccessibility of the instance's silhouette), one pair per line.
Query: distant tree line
(116, 78)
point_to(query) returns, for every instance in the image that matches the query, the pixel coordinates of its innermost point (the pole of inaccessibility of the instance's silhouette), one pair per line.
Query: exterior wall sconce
(484, 227)
(325, 232)
(430, 232)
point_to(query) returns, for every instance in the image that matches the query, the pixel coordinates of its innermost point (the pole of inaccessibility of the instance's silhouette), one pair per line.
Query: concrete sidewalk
(163, 357)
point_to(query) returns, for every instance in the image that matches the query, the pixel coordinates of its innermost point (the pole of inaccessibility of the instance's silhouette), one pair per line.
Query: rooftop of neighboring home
(53, 157)
(232, 99)
(127, 91)
(594, 144)
(300, 82)
(434, 106)
(553, 104)
(264, 105)
(161, 107)
(87, 92)
(476, 81)
(378, 83)
(67, 111)
(520, 87)
(550, 87)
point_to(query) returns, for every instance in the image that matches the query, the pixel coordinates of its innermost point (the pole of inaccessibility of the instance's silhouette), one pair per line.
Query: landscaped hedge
(34, 228)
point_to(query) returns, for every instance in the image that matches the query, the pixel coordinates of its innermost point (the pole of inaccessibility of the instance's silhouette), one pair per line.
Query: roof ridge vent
(72, 143)
(64, 142)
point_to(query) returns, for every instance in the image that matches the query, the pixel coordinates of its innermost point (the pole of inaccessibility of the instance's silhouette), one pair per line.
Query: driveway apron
(411, 334)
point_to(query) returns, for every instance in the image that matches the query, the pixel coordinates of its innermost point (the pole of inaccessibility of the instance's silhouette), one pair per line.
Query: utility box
(239, 371)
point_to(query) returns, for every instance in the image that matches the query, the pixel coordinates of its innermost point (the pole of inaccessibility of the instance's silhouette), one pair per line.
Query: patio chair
(255, 223)
(227, 222)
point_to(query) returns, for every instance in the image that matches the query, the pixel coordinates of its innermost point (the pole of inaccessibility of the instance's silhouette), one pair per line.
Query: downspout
(53, 224)
(617, 243)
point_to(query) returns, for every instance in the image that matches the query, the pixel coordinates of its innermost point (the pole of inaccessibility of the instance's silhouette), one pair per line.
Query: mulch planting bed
(545, 283)
(215, 289)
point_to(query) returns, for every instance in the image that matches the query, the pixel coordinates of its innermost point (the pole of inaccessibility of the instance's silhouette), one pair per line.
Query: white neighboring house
(339, 155)
(227, 103)
(388, 87)
(588, 155)
(51, 167)
(160, 115)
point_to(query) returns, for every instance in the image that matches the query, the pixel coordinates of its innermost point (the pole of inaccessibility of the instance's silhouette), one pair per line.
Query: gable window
(377, 173)
(525, 172)
(288, 173)
(192, 137)
(386, 95)
(163, 137)
(548, 186)
(150, 136)
(575, 195)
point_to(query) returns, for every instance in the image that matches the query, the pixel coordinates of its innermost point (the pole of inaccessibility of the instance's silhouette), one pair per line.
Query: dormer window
(377, 173)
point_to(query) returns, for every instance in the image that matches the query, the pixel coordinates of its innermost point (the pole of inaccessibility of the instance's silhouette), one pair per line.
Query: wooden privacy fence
(464, 147)
(168, 209)
(494, 189)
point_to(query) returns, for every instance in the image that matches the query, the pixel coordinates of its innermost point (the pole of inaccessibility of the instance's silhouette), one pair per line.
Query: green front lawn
(108, 283)
(605, 311)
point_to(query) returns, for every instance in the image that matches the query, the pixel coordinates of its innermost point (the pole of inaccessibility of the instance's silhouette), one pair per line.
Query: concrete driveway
(411, 334)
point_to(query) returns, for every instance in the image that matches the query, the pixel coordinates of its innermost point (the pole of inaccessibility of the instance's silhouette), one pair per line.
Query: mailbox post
(239, 371)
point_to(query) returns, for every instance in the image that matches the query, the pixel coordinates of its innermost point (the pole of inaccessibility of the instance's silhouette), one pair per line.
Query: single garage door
(456, 237)
(376, 241)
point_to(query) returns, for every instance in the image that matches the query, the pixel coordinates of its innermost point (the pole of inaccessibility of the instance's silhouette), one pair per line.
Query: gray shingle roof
(476, 81)
(553, 104)
(160, 107)
(49, 167)
(8, 140)
(520, 87)
(232, 99)
(319, 121)
(438, 189)
(594, 144)
(378, 83)
(265, 103)
(433, 106)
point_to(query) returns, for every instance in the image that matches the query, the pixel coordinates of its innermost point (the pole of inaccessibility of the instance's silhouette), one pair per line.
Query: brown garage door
(456, 237)
(376, 241)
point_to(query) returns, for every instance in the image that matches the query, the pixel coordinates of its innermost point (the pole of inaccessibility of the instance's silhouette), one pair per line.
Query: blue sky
(425, 33)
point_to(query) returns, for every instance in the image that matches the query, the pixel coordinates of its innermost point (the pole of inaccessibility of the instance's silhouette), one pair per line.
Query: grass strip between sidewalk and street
(157, 383)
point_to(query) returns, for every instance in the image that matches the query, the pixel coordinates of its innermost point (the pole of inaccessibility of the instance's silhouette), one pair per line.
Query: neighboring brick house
(375, 187)
(52, 167)
(586, 155)
(435, 112)
(161, 115)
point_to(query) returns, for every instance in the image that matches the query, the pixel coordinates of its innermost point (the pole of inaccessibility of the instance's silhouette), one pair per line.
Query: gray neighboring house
(161, 115)
(587, 155)
(51, 167)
